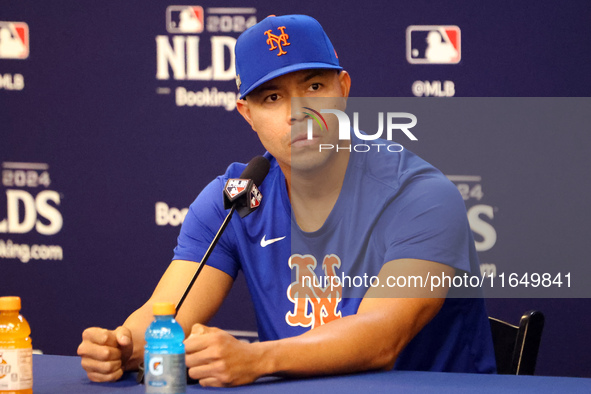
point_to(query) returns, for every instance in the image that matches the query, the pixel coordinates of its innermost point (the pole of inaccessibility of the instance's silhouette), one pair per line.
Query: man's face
(283, 129)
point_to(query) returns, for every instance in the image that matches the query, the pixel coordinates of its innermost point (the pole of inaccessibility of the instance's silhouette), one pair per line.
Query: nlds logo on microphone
(236, 186)
(255, 198)
(242, 194)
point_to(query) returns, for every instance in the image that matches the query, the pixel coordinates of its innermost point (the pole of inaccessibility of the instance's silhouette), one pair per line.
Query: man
(385, 215)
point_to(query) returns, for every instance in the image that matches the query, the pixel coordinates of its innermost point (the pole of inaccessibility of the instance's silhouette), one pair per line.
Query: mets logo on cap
(280, 40)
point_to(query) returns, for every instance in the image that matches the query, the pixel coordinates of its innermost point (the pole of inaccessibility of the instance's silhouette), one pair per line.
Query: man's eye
(315, 86)
(272, 97)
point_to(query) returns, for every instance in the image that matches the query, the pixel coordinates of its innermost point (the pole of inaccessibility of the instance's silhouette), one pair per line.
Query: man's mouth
(302, 140)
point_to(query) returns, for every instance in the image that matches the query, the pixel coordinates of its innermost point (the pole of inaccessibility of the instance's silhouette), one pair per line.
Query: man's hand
(105, 352)
(218, 359)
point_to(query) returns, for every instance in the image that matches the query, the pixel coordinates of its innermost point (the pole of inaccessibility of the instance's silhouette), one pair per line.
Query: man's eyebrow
(264, 87)
(271, 86)
(313, 74)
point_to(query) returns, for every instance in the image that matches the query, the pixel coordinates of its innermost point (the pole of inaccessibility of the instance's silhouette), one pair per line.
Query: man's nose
(298, 111)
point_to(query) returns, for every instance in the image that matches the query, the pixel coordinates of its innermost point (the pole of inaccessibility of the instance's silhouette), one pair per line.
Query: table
(64, 375)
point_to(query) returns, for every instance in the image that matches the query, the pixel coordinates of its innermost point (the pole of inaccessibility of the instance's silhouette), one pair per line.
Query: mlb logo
(235, 186)
(255, 197)
(433, 44)
(14, 40)
(184, 19)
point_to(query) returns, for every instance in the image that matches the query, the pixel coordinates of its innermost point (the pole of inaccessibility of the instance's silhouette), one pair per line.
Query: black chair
(516, 348)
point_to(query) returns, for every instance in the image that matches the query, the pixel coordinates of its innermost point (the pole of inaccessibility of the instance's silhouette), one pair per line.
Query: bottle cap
(163, 308)
(10, 303)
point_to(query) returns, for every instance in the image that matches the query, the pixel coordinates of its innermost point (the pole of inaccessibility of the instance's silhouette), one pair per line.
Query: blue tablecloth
(64, 375)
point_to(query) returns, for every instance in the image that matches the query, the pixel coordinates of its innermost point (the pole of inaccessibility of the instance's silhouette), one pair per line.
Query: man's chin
(308, 160)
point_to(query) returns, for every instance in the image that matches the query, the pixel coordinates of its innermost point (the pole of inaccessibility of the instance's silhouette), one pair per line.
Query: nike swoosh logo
(265, 242)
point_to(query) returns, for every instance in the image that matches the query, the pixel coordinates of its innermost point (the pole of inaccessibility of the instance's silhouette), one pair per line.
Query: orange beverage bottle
(16, 351)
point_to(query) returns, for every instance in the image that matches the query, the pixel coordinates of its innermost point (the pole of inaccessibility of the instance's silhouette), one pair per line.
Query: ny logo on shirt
(314, 304)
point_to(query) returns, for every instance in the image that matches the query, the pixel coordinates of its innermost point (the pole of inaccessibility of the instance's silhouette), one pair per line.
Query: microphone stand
(205, 257)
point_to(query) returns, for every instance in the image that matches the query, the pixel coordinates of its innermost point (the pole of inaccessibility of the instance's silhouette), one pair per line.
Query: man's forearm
(366, 341)
(339, 347)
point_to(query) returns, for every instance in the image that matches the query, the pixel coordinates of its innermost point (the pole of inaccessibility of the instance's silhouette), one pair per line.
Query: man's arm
(370, 339)
(106, 354)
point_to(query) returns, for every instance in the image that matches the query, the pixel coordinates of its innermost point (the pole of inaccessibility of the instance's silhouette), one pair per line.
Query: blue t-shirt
(391, 206)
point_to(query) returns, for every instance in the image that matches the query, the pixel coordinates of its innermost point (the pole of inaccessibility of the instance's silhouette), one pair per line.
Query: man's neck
(313, 194)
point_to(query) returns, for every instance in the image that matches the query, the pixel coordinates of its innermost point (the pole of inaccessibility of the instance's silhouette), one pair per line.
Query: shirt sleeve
(200, 226)
(428, 221)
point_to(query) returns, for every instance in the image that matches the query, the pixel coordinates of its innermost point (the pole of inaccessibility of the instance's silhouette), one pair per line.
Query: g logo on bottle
(156, 366)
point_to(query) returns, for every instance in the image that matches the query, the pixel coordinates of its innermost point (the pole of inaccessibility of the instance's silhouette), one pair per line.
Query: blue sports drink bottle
(164, 353)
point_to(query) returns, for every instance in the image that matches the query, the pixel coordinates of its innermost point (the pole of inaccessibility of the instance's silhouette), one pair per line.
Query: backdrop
(114, 115)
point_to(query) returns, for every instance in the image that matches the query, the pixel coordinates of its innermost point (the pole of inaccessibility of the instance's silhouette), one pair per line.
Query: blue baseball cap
(278, 45)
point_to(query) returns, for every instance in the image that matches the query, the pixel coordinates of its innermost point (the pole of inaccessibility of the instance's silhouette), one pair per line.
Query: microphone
(243, 193)
(240, 195)
(256, 170)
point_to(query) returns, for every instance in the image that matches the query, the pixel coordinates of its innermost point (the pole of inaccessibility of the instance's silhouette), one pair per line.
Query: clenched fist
(217, 359)
(105, 352)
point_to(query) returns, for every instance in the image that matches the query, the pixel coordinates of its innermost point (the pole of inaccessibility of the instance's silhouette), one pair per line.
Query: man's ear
(345, 82)
(242, 106)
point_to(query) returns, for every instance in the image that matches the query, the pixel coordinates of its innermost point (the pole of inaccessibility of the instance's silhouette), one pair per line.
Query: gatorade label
(16, 369)
(166, 374)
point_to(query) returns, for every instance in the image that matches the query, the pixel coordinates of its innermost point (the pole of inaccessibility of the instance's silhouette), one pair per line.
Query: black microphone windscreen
(257, 169)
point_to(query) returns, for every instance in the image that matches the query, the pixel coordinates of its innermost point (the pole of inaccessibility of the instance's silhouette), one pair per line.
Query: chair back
(516, 347)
